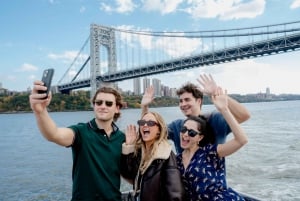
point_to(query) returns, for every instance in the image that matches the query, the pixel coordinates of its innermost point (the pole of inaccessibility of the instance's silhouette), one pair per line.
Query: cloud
(246, 10)
(171, 46)
(177, 47)
(68, 56)
(122, 6)
(27, 68)
(243, 77)
(222, 9)
(163, 6)
(82, 9)
(53, 2)
(11, 77)
(225, 9)
(32, 77)
(295, 4)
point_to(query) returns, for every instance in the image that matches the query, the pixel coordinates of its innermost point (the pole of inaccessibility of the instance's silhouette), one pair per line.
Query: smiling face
(189, 105)
(186, 141)
(149, 133)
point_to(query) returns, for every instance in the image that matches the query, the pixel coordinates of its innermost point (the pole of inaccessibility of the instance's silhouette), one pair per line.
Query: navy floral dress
(205, 176)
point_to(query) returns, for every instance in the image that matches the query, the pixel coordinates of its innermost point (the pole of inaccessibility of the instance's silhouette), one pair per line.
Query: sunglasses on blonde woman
(100, 102)
(144, 122)
(191, 132)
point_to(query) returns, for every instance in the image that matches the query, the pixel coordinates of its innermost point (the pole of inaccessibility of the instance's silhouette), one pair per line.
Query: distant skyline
(40, 34)
(266, 90)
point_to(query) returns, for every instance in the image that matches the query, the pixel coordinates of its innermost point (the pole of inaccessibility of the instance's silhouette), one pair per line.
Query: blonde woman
(149, 163)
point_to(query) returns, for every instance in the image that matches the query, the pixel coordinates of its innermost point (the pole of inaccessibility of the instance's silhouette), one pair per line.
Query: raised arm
(147, 99)
(240, 112)
(209, 87)
(220, 100)
(61, 136)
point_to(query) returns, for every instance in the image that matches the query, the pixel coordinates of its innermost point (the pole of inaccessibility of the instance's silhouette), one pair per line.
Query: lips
(184, 141)
(185, 109)
(146, 132)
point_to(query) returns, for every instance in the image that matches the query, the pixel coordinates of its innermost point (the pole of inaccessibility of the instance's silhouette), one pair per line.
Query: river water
(268, 167)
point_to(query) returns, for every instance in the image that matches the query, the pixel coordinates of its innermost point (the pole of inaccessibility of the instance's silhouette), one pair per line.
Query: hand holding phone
(46, 79)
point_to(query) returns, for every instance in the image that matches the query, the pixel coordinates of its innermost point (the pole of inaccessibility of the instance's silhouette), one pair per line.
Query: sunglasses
(144, 122)
(100, 102)
(191, 132)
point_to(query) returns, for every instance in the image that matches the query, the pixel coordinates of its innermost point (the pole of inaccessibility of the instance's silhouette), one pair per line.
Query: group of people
(143, 155)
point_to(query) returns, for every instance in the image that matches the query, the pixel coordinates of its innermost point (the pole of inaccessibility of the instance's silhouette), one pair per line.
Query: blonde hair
(162, 136)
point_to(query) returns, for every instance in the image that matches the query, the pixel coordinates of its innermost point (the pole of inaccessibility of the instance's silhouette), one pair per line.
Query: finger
(49, 95)
(206, 78)
(38, 82)
(212, 79)
(38, 87)
(203, 78)
(200, 81)
(220, 91)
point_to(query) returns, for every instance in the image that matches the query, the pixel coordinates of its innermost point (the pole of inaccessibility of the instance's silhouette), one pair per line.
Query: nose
(182, 103)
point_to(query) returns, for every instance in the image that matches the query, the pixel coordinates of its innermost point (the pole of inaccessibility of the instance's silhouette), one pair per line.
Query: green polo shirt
(96, 163)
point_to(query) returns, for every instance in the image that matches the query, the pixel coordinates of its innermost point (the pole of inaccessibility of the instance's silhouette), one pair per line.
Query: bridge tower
(101, 36)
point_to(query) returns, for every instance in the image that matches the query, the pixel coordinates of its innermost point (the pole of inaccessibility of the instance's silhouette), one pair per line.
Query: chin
(187, 113)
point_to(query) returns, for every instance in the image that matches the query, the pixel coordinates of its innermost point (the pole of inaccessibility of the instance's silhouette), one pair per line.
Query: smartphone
(46, 79)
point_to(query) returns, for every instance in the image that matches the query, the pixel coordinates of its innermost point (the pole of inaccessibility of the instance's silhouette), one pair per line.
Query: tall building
(156, 86)
(173, 92)
(137, 86)
(268, 91)
(146, 84)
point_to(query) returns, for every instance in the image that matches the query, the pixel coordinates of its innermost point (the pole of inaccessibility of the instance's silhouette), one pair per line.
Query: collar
(93, 125)
(163, 152)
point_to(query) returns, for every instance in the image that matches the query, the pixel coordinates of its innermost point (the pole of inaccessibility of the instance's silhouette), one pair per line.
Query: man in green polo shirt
(96, 145)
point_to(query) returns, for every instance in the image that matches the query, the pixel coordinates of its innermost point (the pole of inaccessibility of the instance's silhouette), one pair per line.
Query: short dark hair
(190, 88)
(110, 90)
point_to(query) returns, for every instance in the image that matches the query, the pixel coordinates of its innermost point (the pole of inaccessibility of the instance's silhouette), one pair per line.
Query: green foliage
(80, 100)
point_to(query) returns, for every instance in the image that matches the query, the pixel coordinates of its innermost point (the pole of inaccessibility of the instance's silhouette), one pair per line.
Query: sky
(39, 34)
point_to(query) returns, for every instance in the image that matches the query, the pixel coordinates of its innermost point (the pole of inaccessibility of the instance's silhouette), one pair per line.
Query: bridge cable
(75, 59)
(203, 35)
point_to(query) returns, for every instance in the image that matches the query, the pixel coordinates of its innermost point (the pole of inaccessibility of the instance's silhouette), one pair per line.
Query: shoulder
(163, 151)
(210, 116)
(215, 119)
(78, 127)
(176, 122)
(174, 125)
(210, 149)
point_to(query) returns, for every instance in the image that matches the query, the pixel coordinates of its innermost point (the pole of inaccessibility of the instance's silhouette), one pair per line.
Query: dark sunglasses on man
(191, 132)
(100, 102)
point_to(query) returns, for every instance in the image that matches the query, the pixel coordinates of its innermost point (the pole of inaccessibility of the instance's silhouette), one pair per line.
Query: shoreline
(21, 112)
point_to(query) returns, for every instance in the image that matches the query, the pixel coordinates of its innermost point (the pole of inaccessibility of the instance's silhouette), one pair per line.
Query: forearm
(240, 113)
(46, 125)
(238, 132)
(145, 109)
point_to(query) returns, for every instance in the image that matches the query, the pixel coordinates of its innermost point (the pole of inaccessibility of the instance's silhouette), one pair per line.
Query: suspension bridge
(117, 54)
